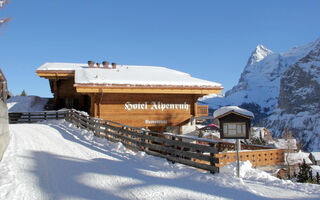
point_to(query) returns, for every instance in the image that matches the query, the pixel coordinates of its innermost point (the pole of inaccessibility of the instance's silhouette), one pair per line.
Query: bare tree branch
(3, 2)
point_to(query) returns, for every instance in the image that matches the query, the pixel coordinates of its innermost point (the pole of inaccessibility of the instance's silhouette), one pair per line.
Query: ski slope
(55, 160)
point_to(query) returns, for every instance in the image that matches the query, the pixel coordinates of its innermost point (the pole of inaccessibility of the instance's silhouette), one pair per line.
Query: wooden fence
(222, 146)
(32, 117)
(166, 146)
(256, 157)
(196, 152)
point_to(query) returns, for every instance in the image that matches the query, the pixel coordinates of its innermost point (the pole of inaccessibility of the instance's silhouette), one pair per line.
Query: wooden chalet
(157, 98)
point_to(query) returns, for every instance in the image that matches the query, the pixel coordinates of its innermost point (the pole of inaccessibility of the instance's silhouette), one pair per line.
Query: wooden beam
(52, 74)
(55, 94)
(199, 91)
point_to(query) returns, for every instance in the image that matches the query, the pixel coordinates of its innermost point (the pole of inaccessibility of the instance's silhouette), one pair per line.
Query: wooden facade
(144, 110)
(66, 96)
(155, 107)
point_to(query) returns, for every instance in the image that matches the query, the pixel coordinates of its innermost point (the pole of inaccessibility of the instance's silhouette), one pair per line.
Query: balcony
(202, 110)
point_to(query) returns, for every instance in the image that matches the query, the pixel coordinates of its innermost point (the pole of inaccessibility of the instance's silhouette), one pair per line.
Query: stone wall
(4, 128)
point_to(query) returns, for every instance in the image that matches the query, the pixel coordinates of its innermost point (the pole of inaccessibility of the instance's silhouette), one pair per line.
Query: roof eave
(52, 74)
(163, 89)
(233, 112)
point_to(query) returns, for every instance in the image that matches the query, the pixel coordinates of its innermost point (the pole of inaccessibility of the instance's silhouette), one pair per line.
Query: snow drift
(56, 160)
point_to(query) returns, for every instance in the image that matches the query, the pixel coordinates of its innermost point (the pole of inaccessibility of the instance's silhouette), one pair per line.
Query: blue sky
(208, 39)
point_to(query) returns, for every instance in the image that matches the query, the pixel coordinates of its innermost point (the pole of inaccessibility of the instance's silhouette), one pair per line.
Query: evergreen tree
(23, 93)
(318, 178)
(304, 173)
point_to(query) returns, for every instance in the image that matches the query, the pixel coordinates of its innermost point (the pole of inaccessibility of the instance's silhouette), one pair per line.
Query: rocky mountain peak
(283, 92)
(259, 54)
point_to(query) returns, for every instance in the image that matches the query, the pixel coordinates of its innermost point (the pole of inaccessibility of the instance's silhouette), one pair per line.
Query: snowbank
(56, 160)
(246, 171)
(26, 103)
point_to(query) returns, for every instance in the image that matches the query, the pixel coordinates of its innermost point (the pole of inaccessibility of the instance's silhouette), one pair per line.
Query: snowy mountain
(283, 90)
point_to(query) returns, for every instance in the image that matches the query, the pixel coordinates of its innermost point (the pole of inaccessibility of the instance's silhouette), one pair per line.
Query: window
(234, 129)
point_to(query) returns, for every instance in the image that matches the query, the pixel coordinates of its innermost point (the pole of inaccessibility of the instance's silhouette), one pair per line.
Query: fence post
(29, 117)
(70, 115)
(45, 115)
(106, 130)
(147, 141)
(97, 127)
(212, 157)
(66, 115)
(88, 122)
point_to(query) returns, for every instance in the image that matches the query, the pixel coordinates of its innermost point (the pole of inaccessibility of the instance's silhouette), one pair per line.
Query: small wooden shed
(234, 122)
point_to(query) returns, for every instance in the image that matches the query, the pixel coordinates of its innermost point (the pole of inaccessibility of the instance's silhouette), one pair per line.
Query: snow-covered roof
(139, 75)
(130, 75)
(315, 169)
(316, 155)
(226, 109)
(297, 158)
(286, 144)
(61, 66)
(258, 132)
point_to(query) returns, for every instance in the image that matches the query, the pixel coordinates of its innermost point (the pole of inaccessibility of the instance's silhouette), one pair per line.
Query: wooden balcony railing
(256, 157)
(202, 110)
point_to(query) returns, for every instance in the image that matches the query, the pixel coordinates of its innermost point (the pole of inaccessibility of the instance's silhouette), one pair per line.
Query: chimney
(98, 65)
(105, 64)
(90, 64)
(114, 65)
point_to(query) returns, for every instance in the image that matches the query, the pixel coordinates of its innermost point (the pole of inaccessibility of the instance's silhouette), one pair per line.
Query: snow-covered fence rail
(168, 146)
(32, 117)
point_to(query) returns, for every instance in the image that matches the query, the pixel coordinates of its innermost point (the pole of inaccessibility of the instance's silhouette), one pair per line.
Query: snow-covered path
(58, 161)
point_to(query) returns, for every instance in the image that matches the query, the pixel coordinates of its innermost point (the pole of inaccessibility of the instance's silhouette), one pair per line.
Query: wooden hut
(157, 98)
(234, 122)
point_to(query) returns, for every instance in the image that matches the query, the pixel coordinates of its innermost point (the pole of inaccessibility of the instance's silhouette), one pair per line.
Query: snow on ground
(55, 160)
(26, 103)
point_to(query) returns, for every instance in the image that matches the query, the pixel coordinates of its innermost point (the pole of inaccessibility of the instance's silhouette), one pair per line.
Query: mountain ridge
(281, 89)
